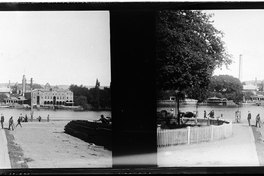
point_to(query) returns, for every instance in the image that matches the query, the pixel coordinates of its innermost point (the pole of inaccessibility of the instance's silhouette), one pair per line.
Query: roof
(214, 98)
(250, 87)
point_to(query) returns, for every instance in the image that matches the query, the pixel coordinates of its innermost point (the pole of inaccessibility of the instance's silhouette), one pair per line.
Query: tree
(81, 101)
(226, 86)
(3, 97)
(189, 48)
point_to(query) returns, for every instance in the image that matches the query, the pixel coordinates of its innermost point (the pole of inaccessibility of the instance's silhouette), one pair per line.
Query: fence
(189, 135)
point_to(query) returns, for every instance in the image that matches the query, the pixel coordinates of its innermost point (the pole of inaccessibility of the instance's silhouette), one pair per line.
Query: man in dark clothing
(211, 114)
(26, 118)
(11, 123)
(19, 121)
(249, 117)
(205, 114)
(2, 121)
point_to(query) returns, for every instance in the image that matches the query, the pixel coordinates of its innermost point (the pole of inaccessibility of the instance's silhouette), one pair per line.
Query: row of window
(58, 98)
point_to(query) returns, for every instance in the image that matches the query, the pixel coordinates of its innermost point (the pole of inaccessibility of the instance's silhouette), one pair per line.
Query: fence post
(212, 132)
(188, 134)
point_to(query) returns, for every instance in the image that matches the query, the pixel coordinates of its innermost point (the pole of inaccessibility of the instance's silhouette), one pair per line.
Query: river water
(228, 112)
(55, 114)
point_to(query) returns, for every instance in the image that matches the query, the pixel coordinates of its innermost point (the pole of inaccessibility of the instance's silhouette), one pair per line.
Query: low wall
(189, 135)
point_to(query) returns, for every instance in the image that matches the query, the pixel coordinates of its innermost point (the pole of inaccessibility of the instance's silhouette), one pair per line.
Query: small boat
(4, 106)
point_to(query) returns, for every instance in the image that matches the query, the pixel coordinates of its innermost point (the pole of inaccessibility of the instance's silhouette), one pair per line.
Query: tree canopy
(93, 98)
(189, 48)
(226, 86)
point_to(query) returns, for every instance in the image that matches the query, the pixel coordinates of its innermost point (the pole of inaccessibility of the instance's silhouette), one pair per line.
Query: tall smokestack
(240, 68)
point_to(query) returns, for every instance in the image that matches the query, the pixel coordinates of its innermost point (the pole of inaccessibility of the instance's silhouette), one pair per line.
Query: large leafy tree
(189, 48)
(226, 86)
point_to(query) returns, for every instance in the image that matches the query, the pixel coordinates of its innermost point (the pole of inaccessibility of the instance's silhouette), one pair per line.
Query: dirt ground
(45, 145)
(259, 141)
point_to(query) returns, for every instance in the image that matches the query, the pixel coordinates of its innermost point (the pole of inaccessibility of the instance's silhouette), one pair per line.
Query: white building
(52, 96)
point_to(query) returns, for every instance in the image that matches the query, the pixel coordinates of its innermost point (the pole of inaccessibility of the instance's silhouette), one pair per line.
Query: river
(228, 112)
(55, 115)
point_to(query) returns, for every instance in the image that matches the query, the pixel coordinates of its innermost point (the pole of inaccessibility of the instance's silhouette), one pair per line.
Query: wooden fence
(189, 135)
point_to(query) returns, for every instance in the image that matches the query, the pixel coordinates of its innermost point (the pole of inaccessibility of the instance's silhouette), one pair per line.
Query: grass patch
(15, 152)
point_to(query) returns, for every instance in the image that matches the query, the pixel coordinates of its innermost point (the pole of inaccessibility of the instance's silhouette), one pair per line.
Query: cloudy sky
(243, 34)
(59, 47)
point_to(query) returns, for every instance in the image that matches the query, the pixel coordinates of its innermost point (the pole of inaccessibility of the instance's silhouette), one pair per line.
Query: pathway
(237, 150)
(4, 157)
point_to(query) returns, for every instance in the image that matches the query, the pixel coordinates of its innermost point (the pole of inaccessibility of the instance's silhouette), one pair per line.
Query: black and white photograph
(210, 93)
(55, 96)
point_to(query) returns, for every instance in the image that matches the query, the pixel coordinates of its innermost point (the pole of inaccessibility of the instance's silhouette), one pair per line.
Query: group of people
(258, 121)
(20, 119)
(211, 114)
(238, 117)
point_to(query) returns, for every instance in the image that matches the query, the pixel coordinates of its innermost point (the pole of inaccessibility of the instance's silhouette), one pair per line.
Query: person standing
(205, 114)
(211, 114)
(26, 118)
(236, 116)
(48, 118)
(2, 121)
(11, 123)
(258, 120)
(249, 117)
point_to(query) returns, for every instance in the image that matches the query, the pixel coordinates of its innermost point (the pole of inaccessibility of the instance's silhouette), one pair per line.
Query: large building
(52, 96)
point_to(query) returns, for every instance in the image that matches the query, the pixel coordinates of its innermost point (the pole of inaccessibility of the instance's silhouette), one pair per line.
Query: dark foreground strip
(15, 152)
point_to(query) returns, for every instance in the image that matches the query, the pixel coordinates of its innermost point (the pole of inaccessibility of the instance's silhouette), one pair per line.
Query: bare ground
(45, 145)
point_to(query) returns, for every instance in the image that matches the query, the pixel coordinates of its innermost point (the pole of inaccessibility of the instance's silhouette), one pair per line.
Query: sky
(243, 34)
(56, 47)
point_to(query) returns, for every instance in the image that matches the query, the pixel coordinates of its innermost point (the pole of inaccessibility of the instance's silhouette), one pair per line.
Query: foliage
(36, 86)
(81, 101)
(94, 98)
(226, 86)
(248, 95)
(189, 48)
(2, 97)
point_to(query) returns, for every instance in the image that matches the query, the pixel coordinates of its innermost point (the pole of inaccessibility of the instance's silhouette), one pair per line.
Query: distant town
(32, 95)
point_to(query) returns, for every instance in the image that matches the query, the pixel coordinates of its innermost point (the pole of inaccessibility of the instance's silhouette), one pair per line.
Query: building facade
(52, 96)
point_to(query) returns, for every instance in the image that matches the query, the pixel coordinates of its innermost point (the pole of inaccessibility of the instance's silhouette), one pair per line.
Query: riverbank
(45, 145)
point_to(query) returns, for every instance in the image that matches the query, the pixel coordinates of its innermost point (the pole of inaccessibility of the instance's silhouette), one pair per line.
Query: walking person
(11, 123)
(19, 121)
(249, 117)
(2, 121)
(258, 120)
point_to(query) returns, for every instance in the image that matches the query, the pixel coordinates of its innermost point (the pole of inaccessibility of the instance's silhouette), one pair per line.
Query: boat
(215, 101)
(4, 106)
(92, 132)
(188, 101)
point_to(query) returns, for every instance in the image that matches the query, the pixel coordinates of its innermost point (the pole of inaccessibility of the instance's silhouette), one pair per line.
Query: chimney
(240, 68)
